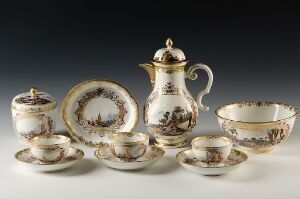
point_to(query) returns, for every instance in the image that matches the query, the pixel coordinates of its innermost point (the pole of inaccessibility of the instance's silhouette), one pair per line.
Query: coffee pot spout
(151, 71)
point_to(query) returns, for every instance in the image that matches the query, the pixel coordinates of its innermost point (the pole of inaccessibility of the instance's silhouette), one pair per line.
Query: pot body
(33, 113)
(170, 112)
(28, 125)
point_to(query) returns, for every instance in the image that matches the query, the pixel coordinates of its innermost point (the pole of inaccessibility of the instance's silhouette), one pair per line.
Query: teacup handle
(190, 73)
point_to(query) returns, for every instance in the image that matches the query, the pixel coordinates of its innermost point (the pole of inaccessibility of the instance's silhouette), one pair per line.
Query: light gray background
(252, 49)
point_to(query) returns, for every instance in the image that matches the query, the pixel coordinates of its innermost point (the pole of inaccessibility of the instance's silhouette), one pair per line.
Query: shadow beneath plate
(249, 171)
(84, 166)
(165, 165)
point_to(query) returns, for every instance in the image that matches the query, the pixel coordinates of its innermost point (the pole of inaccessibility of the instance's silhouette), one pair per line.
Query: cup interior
(211, 141)
(256, 111)
(49, 140)
(128, 137)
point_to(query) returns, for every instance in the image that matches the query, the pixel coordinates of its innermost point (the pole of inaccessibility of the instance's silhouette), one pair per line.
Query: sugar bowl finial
(33, 91)
(169, 43)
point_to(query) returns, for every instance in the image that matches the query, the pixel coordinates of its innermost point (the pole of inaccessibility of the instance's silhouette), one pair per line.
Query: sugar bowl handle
(190, 73)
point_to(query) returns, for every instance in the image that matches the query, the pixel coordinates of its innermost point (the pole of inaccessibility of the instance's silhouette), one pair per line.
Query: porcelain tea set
(49, 152)
(103, 114)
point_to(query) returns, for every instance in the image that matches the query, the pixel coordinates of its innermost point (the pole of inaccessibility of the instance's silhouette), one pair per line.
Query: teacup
(49, 148)
(128, 145)
(211, 149)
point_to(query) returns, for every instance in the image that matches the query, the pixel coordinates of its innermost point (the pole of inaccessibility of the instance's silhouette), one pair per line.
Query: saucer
(26, 158)
(95, 108)
(152, 155)
(188, 160)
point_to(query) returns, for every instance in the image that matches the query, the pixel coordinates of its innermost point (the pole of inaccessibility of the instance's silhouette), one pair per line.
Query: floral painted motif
(94, 125)
(264, 103)
(169, 89)
(190, 161)
(234, 158)
(214, 156)
(167, 56)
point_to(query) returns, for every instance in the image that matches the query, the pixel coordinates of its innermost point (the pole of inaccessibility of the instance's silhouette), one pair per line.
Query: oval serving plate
(95, 108)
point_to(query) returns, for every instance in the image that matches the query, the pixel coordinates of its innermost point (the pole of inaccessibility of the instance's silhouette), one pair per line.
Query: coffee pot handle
(190, 73)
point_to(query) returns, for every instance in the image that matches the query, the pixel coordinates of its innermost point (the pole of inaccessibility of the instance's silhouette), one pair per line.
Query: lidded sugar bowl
(170, 111)
(33, 113)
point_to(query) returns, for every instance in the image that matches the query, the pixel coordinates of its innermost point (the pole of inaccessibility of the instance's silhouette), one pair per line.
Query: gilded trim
(169, 70)
(257, 103)
(241, 154)
(49, 136)
(169, 65)
(78, 155)
(73, 90)
(34, 109)
(210, 137)
(113, 138)
(158, 150)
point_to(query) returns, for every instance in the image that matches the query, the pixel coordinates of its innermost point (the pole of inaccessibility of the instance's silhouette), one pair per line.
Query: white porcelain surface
(33, 113)
(50, 148)
(128, 145)
(189, 161)
(257, 126)
(169, 54)
(95, 108)
(26, 158)
(170, 111)
(152, 155)
(211, 148)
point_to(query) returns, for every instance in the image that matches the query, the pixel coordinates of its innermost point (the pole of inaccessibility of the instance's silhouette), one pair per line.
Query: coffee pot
(170, 112)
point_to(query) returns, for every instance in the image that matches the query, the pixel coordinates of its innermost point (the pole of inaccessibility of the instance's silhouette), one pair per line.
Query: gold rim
(32, 140)
(113, 138)
(34, 109)
(157, 149)
(77, 151)
(208, 137)
(70, 93)
(265, 122)
(243, 155)
(170, 145)
(169, 65)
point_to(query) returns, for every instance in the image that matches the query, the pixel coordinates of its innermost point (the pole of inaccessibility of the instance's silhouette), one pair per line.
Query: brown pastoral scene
(173, 123)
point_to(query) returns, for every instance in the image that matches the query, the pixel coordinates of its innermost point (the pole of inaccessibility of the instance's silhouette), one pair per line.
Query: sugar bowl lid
(169, 55)
(33, 101)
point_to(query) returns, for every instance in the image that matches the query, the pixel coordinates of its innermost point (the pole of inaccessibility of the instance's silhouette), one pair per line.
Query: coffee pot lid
(33, 101)
(169, 55)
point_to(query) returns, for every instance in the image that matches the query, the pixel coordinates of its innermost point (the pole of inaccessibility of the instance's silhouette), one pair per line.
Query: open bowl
(257, 126)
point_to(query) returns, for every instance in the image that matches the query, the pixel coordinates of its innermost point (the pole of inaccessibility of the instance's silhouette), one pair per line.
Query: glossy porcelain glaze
(211, 148)
(50, 148)
(170, 111)
(152, 155)
(26, 158)
(128, 145)
(189, 161)
(257, 126)
(33, 113)
(94, 109)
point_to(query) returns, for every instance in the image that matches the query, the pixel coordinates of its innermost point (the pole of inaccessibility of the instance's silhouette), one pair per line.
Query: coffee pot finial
(169, 43)
(33, 91)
